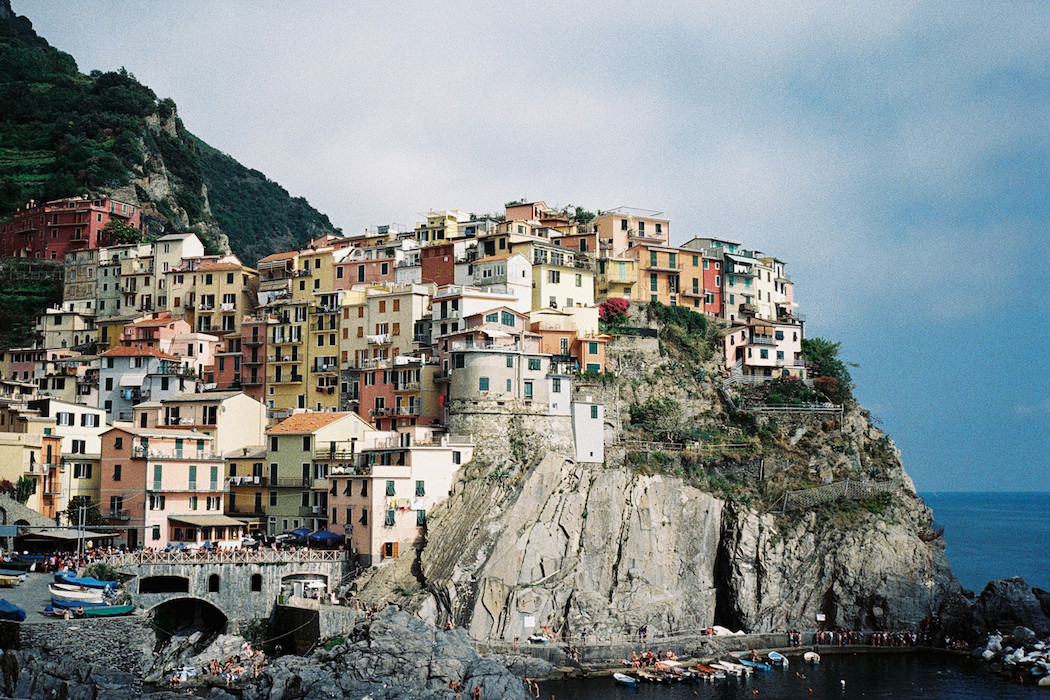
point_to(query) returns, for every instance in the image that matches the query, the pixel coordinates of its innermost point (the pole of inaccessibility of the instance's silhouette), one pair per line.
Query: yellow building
(623, 228)
(617, 277)
(561, 277)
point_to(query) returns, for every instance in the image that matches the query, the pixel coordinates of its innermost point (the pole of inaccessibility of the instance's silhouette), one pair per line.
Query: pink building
(61, 226)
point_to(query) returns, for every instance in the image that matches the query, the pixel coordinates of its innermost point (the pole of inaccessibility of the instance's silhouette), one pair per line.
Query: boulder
(1009, 603)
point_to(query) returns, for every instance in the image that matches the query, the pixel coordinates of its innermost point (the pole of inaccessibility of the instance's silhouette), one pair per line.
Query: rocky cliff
(688, 537)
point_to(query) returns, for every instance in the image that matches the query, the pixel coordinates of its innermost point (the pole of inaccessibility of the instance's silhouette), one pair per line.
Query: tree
(118, 232)
(93, 516)
(823, 356)
(25, 488)
(661, 417)
(614, 310)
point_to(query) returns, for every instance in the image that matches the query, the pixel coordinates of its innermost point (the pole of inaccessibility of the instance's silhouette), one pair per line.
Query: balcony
(227, 307)
(504, 347)
(325, 367)
(379, 339)
(234, 481)
(254, 340)
(409, 410)
(747, 309)
(693, 292)
(351, 470)
(206, 307)
(407, 386)
(296, 482)
(119, 514)
(312, 511)
(190, 455)
(762, 340)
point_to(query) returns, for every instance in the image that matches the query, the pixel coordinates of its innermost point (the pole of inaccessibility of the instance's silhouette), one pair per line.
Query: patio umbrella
(322, 536)
(301, 532)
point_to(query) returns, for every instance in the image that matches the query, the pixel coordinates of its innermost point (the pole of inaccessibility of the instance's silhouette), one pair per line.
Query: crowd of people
(56, 561)
(648, 659)
(249, 661)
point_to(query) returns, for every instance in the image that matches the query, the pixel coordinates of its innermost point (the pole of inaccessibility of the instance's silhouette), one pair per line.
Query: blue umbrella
(324, 536)
(301, 532)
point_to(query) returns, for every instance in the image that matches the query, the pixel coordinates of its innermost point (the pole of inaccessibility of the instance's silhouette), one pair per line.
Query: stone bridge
(242, 585)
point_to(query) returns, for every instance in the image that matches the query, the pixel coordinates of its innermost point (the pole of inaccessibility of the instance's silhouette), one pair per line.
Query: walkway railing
(236, 556)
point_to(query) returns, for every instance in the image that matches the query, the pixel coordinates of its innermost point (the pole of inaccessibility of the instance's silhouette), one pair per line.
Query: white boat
(87, 595)
(11, 581)
(778, 659)
(811, 657)
(624, 679)
(734, 669)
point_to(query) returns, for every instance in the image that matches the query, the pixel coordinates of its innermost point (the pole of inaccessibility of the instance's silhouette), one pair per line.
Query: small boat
(86, 595)
(15, 565)
(650, 677)
(83, 582)
(12, 572)
(811, 657)
(757, 665)
(74, 604)
(778, 659)
(11, 581)
(108, 610)
(734, 669)
(10, 611)
(624, 679)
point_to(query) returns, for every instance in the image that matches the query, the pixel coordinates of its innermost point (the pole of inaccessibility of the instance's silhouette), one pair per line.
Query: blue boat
(10, 611)
(759, 665)
(625, 680)
(86, 581)
(778, 659)
(74, 604)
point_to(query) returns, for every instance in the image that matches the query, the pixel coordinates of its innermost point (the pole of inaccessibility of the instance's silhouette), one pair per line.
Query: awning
(740, 259)
(132, 379)
(64, 534)
(495, 333)
(208, 520)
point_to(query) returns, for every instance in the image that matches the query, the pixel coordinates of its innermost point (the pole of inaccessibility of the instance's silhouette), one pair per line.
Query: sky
(894, 154)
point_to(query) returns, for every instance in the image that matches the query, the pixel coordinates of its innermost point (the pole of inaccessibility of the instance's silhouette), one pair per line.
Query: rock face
(583, 548)
(391, 656)
(1011, 602)
(776, 573)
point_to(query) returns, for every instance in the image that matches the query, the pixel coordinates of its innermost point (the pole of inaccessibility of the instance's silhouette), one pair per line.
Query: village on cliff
(188, 400)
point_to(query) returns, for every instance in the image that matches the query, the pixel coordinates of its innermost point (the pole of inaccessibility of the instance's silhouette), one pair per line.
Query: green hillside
(64, 133)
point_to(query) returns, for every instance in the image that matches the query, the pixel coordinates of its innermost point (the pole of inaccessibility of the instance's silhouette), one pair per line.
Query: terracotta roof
(154, 322)
(306, 422)
(280, 256)
(123, 351)
(220, 266)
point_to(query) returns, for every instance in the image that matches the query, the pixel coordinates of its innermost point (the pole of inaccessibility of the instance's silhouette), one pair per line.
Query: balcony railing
(379, 339)
(292, 481)
(247, 481)
(506, 347)
(762, 340)
(311, 511)
(407, 386)
(191, 455)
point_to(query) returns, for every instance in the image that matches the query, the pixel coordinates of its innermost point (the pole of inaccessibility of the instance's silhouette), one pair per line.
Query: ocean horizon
(993, 535)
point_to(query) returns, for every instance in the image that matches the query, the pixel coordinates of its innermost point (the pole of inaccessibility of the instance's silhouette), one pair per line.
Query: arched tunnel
(183, 615)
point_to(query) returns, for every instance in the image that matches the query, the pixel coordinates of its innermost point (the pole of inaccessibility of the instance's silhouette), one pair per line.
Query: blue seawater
(995, 535)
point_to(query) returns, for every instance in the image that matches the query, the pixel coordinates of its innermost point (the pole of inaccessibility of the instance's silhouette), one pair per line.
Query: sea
(988, 536)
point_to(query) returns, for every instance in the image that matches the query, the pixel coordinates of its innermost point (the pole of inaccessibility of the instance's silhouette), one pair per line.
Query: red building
(438, 264)
(53, 229)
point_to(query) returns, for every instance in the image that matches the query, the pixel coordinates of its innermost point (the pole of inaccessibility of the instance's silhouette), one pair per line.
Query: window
(421, 518)
(193, 503)
(213, 583)
(389, 519)
(534, 363)
(653, 259)
(510, 360)
(364, 516)
(89, 420)
(273, 498)
(306, 443)
(79, 447)
(764, 354)
(116, 472)
(594, 412)
(364, 487)
(483, 383)
(528, 390)
(390, 487)
(156, 532)
(592, 348)
(579, 280)
(65, 418)
(457, 457)
(420, 489)
(81, 471)
(492, 318)
(273, 444)
(556, 385)
(653, 283)
(554, 276)
(780, 354)
(256, 583)
(156, 502)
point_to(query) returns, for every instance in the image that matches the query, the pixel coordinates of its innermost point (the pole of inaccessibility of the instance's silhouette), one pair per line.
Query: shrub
(661, 417)
(613, 311)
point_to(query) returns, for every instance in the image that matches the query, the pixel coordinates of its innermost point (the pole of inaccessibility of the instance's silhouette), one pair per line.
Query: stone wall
(514, 435)
(235, 598)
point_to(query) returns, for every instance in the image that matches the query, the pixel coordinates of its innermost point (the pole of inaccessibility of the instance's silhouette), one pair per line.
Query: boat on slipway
(75, 594)
(625, 680)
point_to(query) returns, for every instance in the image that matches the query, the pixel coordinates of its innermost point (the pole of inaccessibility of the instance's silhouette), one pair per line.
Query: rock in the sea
(1009, 603)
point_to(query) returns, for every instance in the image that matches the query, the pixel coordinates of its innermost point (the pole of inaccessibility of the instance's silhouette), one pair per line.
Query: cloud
(1039, 409)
